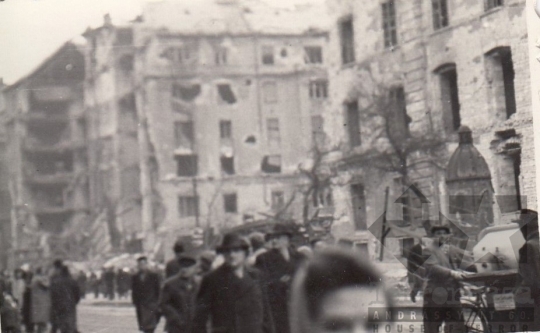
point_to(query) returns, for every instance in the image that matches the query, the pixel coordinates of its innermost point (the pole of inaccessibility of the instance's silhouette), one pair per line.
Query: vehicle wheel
(475, 320)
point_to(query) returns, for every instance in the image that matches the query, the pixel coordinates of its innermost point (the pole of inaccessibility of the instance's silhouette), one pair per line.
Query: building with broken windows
(405, 76)
(45, 156)
(212, 106)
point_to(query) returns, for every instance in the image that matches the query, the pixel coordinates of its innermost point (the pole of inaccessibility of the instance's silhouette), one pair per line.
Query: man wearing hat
(145, 287)
(442, 290)
(278, 266)
(177, 299)
(528, 284)
(173, 267)
(232, 297)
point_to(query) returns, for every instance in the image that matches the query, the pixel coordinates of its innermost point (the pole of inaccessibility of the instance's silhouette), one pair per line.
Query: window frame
(317, 59)
(225, 129)
(439, 10)
(492, 4)
(227, 204)
(268, 57)
(273, 132)
(346, 41)
(185, 201)
(389, 24)
(318, 89)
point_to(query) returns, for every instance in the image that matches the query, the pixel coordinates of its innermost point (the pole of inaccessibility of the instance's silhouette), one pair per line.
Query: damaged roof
(237, 17)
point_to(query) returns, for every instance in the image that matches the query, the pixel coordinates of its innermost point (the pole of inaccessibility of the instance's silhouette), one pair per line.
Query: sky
(33, 29)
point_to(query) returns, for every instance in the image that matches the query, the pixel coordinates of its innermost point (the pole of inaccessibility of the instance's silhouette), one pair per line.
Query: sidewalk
(91, 301)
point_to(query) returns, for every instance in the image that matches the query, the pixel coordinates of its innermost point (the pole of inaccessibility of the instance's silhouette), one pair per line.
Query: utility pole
(384, 231)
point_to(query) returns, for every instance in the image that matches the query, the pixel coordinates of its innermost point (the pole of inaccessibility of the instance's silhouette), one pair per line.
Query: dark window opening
(53, 223)
(278, 200)
(317, 132)
(517, 173)
(389, 24)
(490, 4)
(226, 94)
(225, 129)
(346, 30)
(272, 129)
(502, 80)
(353, 124)
(51, 164)
(440, 13)
(126, 62)
(271, 164)
(227, 165)
(188, 206)
(230, 203)
(313, 55)
(221, 56)
(318, 89)
(267, 55)
(398, 127)
(283, 53)
(508, 78)
(183, 134)
(186, 165)
(186, 92)
(251, 139)
(124, 37)
(450, 98)
(359, 206)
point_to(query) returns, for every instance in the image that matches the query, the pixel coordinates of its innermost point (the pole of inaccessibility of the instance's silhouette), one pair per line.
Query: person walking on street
(108, 279)
(40, 301)
(65, 296)
(278, 266)
(233, 297)
(173, 266)
(27, 301)
(145, 288)
(82, 281)
(177, 299)
(18, 287)
(415, 269)
(94, 284)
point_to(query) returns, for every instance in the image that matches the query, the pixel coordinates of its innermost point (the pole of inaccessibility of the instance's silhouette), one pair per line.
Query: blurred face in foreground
(142, 265)
(346, 310)
(235, 257)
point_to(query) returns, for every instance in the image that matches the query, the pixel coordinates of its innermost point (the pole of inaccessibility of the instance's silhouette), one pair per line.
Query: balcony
(35, 146)
(36, 178)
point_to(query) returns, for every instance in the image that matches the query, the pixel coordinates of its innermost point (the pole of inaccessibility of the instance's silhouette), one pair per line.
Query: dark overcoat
(145, 296)
(172, 268)
(278, 274)
(529, 281)
(233, 305)
(65, 296)
(177, 303)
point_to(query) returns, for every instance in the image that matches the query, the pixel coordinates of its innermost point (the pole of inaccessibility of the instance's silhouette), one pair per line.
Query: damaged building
(406, 76)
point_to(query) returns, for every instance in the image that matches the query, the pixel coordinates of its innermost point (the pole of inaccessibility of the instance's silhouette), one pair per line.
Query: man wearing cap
(442, 290)
(232, 297)
(145, 287)
(528, 284)
(177, 299)
(173, 267)
(278, 266)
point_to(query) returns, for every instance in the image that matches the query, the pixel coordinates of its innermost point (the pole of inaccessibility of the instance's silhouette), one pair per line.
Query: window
(183, 134)
(317, 132)
(346, 31)
(269, 92)
(225, 129)
(389, 24)
(271, 164)
(450, 97)
(500, 71)
(490, 4)
(227, 165)
(184, 55)
(126, 62)
(440, 13)
(278, 200)
(353, 124)
(318, 89)
(221, 55)
(188, 206)
(272, 129)
(226, 94)
(267, 55)
(186, 92)
(186, 165)
(399, 119)
(359, 206)
(313, 55)
(230, 203)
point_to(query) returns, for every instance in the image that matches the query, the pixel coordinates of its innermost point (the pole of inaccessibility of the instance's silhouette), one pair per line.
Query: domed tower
(468, 180)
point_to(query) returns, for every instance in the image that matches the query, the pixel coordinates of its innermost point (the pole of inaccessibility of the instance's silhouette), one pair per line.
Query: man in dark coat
(415, 269)
(528, 287)
(442, 290)
(278, 266)
(177, 299)
(173, 266)
(108, 278)
(65, 296)
(145, 286)
(233, 297)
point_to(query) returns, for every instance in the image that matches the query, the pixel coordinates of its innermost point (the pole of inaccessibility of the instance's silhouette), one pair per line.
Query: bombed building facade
(431, 67)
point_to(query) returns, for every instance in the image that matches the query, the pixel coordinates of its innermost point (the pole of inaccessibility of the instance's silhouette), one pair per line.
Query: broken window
(186, 165)
(399, 120)
(353, 124)
(269, 92)
(227, 165)
(188, 206)
(226, 94)
(272, 128)
(271, 164)
(221, 55)
(318, 89)
(313, 55)
(501, 76)
(183, 134)
(277, 200)
(346, 32)
(268, 55)
(389, 23)
(225, 129)
(450, 97)
(490, 4)
(317, 132)
(359, 206)
(230, 203)
(186, 92)
(440, 13)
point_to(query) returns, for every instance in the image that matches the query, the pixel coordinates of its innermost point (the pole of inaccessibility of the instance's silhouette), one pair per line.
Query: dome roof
(466, 163)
